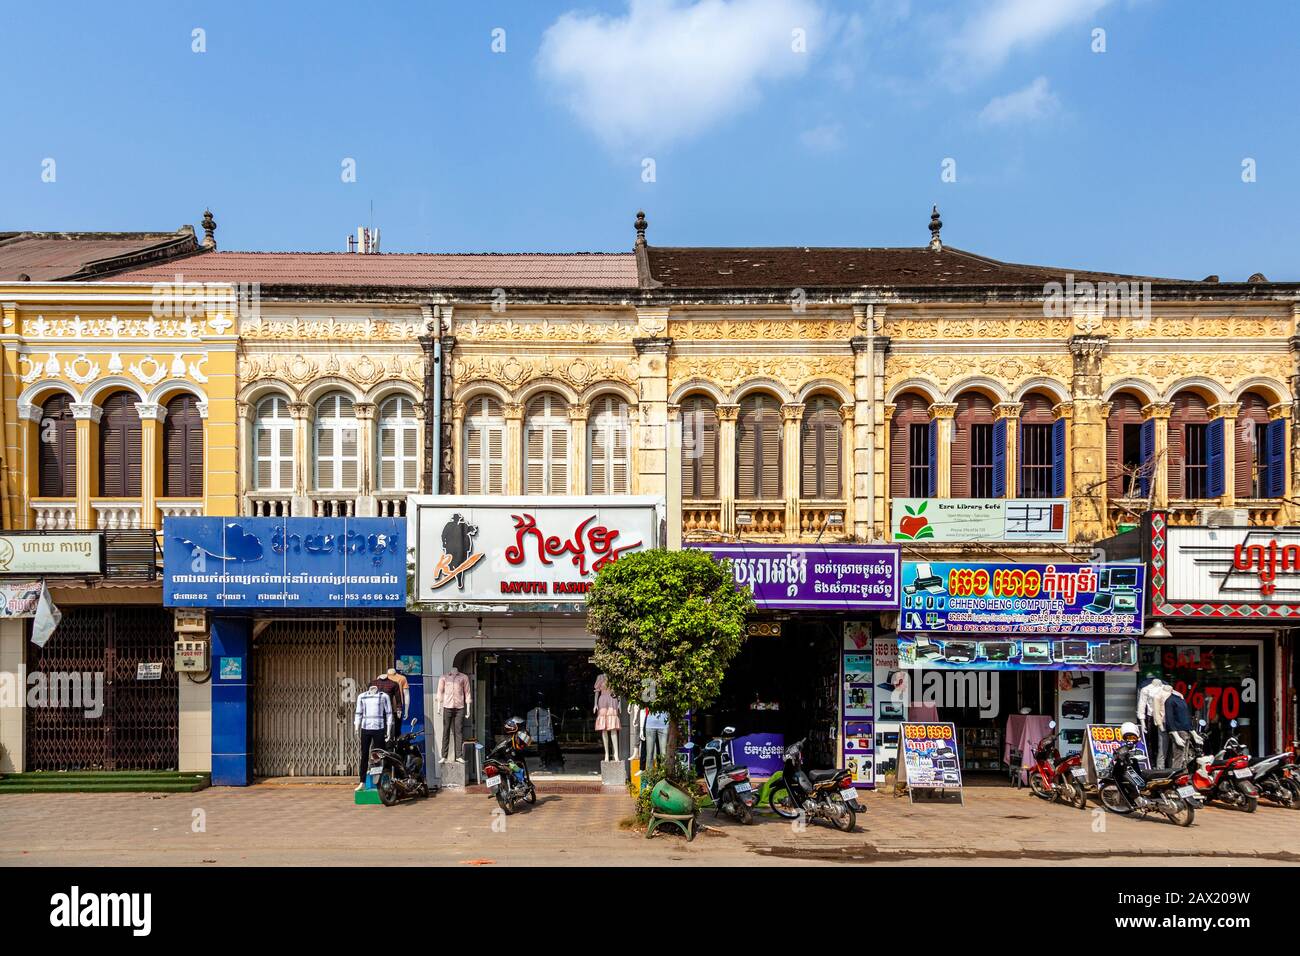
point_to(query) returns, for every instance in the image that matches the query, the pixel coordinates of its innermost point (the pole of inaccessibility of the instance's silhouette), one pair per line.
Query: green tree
(667, 625)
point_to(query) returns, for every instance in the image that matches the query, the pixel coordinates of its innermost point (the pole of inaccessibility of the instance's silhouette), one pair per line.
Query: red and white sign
(1232, 565)
(492, 550)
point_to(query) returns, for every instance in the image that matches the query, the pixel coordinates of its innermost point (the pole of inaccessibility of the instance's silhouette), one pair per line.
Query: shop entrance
(117, 661)
(306, 676)
(534, 685)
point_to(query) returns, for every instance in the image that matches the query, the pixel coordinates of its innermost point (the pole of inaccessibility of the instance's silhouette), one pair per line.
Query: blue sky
(769, 122)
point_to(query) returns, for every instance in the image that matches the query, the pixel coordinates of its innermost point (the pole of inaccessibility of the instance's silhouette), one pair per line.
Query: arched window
(273, 445)
(609, 466)
(546, 445)
(758, 448)
(1189, 453)
(399, 442)
(337, 458)
(182, 456)
(1250, 451)
(1041, 448)
(975, 450)
(56, 435)
(485, 447)
(819, 448)
(119, 447)
(1129, 447)
(699, 448)
(911, 448)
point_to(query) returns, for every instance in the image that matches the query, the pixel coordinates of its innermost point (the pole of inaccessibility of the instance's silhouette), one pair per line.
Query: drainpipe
(436, 478)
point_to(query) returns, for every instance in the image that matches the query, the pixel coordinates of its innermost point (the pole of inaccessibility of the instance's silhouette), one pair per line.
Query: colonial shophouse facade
(776, 396)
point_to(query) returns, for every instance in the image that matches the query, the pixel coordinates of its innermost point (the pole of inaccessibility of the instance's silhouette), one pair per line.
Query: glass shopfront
(1222, 679)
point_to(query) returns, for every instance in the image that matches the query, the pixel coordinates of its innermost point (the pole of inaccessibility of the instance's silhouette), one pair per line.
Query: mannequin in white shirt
(453, 688)
(1159, 749)
(1146, 716)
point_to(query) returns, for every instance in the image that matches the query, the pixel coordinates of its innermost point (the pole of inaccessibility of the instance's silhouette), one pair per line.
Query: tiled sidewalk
(320, 825)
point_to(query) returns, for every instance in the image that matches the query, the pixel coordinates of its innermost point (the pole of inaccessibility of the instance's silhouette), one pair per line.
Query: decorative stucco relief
(367, 329)
(1163, 370)
(511, 372)
(946, 370)
(299, 370)
(728, 373)
(544, 330)
(86, 367)
(113, 327)
(761, 330)
(1241, 327)
(902, 328)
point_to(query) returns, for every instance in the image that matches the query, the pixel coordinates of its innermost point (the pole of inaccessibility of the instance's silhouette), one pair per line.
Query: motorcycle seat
(821, 776)
(1165, 774)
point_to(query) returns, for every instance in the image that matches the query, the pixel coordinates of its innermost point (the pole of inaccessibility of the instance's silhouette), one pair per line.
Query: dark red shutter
(1189, 409)
(972, 409)
(909, 409)
(56, 436)
(1125, 409)
(183, 449)
(1248, 437)
(119, 447)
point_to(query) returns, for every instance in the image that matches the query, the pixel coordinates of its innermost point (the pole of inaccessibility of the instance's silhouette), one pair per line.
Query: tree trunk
(672, 742)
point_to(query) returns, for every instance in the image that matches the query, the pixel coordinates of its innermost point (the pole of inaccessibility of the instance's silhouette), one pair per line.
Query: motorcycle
(1278, 779)
(1225, 776)
(399, 768)
(505, 771)
(728, 786)
(1127, 787)
(817, 794)
(1055, 779)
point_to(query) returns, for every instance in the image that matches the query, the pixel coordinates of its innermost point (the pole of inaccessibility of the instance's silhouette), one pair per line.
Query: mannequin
(398, 678)
(453, 702)
(654, 731)
(1161, 745)
(1146, 716)
(541, 728)
(608, 723)
(1178, 720)
(393, 690)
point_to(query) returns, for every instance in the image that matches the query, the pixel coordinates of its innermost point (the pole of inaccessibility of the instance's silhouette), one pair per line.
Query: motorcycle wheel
(744, 813)
(842, 815)
(1291, 787)
(1184, 813)
(505, 803)
(782, 804)
(1039, 785)
(530, 795)
(1078, 795)
(1113, 800)
(387, 790)
(1249, 798)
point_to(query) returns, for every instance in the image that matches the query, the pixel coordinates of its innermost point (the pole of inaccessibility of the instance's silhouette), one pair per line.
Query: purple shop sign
(763, 754)
(829, 577)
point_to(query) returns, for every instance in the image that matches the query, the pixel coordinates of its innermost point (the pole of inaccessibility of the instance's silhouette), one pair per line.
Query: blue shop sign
(284, 562)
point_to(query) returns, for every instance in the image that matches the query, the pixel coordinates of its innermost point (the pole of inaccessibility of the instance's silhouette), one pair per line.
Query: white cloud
(669, 69)
(1035, 102)
(998, 27)
(823, 139)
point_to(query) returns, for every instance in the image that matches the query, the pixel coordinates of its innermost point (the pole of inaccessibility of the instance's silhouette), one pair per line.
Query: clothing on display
(393, 691)
(608, 723)
(373, 719)
(540, 725)
(454, 700)
(404, 686)
(454, 690)
(452, 741)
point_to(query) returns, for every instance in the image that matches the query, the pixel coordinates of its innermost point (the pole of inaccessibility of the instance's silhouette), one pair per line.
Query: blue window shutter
(1058, 458)
(1275, 436)
(934, 459)
(1147, 452)
(1214, 458)
(1000, 458)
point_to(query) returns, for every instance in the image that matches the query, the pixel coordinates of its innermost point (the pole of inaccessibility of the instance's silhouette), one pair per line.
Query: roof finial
(209, 230)
(641, 225)
(935, 225)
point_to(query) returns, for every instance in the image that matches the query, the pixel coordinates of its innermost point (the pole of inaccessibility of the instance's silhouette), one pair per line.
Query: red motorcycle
(1225, 777)
(1055, 779)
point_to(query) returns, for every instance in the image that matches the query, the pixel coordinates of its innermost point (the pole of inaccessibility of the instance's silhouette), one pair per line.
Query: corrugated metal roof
(51, 256)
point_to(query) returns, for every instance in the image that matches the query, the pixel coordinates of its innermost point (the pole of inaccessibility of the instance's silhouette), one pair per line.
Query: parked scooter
(728, 786)
(1278, 779)
(1128, 787)
(1053, 778)
(1225, 777)
(506, 773)
(817, 794)
(399, 768)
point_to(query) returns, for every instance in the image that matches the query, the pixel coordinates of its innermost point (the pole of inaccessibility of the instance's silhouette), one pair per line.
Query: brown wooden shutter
(56, 435)
(1248, 435)
(1125, 409)
(1189, 409)
(119, 447)
(699, 448)
(183, 449)
(909, 409)
(972, 409)
(819, 452)
(748, 449)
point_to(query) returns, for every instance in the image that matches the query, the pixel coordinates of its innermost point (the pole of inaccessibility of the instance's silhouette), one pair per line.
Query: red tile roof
(53, 256)
(578, 270)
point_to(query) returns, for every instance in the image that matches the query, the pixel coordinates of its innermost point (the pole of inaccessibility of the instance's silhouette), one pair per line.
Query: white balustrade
(117, 515)
(54, 515)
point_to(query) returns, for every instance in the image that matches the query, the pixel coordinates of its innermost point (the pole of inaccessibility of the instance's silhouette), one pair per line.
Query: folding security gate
(99, 709)
(306, 677)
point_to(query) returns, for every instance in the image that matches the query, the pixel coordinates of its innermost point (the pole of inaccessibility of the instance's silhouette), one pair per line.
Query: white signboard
(1233, 566)
(492, 550)
(980, 519)
(50, 553)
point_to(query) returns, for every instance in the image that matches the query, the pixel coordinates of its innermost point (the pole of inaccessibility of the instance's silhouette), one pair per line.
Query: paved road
(319, 825)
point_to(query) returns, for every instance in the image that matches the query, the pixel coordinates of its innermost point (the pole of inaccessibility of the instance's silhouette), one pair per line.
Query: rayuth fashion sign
(490, 550)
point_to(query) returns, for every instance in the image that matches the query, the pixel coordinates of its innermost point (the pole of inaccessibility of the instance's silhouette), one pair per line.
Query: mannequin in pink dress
(608, 724)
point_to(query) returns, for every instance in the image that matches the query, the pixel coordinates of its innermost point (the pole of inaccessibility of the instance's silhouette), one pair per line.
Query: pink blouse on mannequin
(607, 717)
